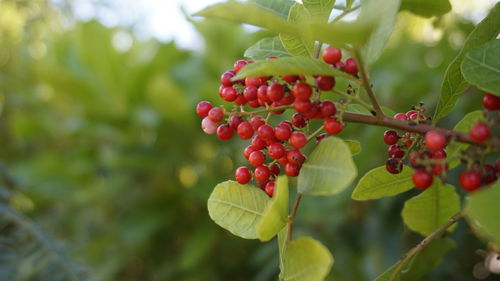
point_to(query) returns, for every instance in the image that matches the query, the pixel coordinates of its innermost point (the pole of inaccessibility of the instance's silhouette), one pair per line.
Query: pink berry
(208, 126)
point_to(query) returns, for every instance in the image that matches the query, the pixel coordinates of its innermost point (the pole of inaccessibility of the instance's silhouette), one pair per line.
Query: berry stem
(417, 249)
(270, 109)
(367, 85)
(310, 137)
(291, 217)
(354, 98)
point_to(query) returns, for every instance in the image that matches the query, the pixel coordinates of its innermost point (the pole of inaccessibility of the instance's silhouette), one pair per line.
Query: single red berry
(245, 130)
(302, 91)
(224, 132)
(275, 91)
(247, 151)
(208, 126)
(256, 158)
(340, 66)
(489, 174)
(320, 137)
(282, 132)
(391, 137)
(240, 100)
(229, 94)
(242, 175)
(216, 114)
(266, 132)
(394, 165)
(202, 108)
(262, 95)
(294, 156)
(302, 106)
(269, 189)
(239, 64)
(395, 151)
(250, 93)
(276, 150)
(332, 126)
(439, 169)
(258, 143)
(256, 122)
(253, 81)
(400, 116)
(438, 154)
(275, 169)
(480, 132)
(254, 103)
(286, 123)
(292, 170)
(226, 77)
(332, 55)
(325, 83)
(298, 140)
(235, 121)
(220, 90)
(327, 108)
(262, 173)
(421, 179)
(470, 180)
(313, 112)
(435, 140)
(351, 67)
(298, 120)
(290, 78)
(491, 102)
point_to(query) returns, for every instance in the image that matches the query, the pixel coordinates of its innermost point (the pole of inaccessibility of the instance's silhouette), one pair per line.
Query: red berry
(295, 157)
(332, 126)
(239, 64)
(226, 77)
(277, 104)
(224, 132)
(302, 106)
(276, 150)
(254, 103)
(350, 66)
(235, 121)
(491, 102)
(438, 169)
(242, 175)
(401, 116)
(332, 55)
(302, 91)
(256, 122)
(275, 169)
(313, 112)
(282, 132)
(262, 173)
(240, 100)
(269, 189)
(208, 126)
(245, 130)
(340, 66)
(421, 179)
(327, 108)
(434, 140)
(395, 151)
(262, 95)
(480, 132)
(391, 137)
(253, 81)
(292, 170)
(275, 91)
(229, 94)
(394, 165)
(258, 143)
(216, 114)
(266, 132)
(247, 151)
(290, 78)
(325, 83)
(202, 108)
(298, 140)
(438, 154)
(250, 93)
(489, 174)
(256, 158)
(287, 99)
(298, 120)
(470, 180)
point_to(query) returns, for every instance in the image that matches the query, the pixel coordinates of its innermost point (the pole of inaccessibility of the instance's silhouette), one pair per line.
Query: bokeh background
(105, 173)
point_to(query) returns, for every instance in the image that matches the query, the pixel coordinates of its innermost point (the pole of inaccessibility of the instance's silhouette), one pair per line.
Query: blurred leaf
(453, 150)
(275, 215)
(426, 8)
(289, 65)
(265, 48)
(319, 8)
(453, 82)
(306, 259)
(281, 7)
(427, 211)
(354, 146)
(237, 208)
(296, 45)
(482, 211)
(379, 37)
(422, 263)
(329, 169)
(481, 67)
(379, 182)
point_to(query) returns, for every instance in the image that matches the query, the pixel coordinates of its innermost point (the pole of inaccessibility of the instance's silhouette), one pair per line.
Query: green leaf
(354, 146)
(275, 215)
(481, 66)
(329, 169)
(378, 183)
(422, 263)
(280, 7)
(453, 82)
(265, 48)
(319, 8)
(306, 259)
(296, 45)
(454, 149)
(430, 209)
(289, 65)
(482, 211)
(373, 49)
(426, 8)
(237, 208)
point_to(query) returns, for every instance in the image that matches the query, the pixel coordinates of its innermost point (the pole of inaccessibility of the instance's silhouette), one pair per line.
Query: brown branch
(291, 217)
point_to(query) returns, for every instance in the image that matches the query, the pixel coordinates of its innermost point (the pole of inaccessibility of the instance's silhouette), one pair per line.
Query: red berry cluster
(273, 147)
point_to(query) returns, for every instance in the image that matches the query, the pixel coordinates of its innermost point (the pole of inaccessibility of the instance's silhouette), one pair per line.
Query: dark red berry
(276, 150)
(295, 157)
(202, 108)
(395, 151)
(256, 158)
(489, 174)
(269, 189)
(224, 132)
(216, 114)
(302, 91)
(327, 108)
(394, 165)
(491, 102)
(325, 83)
(226, 77)
(235, 121)
(298, 140)
(250, 93)
(258, 143)
(480, 132)
(351, 66)
(435, 140)
(282, 132)
(275, 169)
(470, 180)
(275, 91)
(421, 179)
(332, 55)
(245, 130)
(321, 137)
(242, 175)
(332, 126)
(391, 137)
(340, 66)
(262, 173)
(292, 170)
(298, 120)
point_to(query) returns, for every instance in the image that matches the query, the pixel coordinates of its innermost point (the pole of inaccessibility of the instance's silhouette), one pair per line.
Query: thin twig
(367, 85)
(291, 217)
(345, 12)
(354, 98)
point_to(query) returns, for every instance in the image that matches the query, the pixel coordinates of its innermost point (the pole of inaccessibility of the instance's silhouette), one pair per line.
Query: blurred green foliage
(102, 150)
